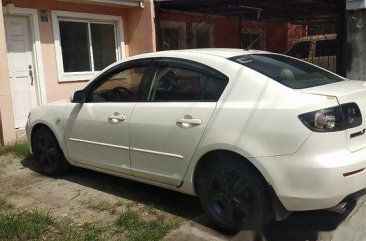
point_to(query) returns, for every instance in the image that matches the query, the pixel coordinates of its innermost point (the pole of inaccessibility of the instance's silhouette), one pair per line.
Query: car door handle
(117, 118)
(186, 123)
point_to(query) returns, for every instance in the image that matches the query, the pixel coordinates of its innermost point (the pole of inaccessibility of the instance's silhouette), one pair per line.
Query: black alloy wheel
(230, 196)
(233, 196)
(48, 153)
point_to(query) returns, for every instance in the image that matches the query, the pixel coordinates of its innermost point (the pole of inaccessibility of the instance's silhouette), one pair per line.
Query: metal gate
(315, 43)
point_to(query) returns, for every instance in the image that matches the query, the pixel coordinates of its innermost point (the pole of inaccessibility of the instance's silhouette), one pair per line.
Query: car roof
(218, 52)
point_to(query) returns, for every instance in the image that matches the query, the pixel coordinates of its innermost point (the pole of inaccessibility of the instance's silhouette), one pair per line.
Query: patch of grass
(37, 225)
(24, 226)
(19, 149)
(120, 203)
(113, 211)
(151, 210)
(139, 230)
(99, 205)
(4, 205)
(87, 232)
(152, 231)
(129, 220)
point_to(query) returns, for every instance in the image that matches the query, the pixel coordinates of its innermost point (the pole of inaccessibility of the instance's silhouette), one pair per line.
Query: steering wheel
(174, 86)
(121, 93)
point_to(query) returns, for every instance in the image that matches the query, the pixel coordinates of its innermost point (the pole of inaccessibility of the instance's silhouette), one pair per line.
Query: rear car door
(165, 131)
(96, 134)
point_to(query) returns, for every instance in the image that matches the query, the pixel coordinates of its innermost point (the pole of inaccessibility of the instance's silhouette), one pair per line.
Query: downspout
(240, 31)
(342, 38)
(159, 39)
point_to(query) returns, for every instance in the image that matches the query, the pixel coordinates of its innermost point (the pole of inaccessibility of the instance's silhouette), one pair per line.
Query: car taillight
(352, 114)
(333, 119)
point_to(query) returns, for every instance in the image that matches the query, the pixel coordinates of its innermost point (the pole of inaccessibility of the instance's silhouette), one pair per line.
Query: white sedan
(254, 134)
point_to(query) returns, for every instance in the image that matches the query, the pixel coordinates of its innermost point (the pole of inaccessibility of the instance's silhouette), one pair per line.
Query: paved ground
(306, 226)
(65, 198)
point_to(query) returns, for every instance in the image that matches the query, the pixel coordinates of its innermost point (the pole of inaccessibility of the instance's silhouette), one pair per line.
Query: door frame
(39, 79)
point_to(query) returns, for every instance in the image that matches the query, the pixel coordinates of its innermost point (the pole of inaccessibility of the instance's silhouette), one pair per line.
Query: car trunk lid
(347, 92)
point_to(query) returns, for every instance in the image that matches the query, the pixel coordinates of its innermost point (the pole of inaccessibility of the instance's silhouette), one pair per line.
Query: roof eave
(117, 3)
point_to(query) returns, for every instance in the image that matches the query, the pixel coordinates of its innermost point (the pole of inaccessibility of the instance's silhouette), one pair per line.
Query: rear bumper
(314, 177)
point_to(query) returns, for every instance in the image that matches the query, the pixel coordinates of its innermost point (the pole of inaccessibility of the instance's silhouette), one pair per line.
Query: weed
(151, 210)
(87, 232)
(4, 205)
(113, 211)
(19, 149)
(129, 220)
(24, 225)
(140, 230)
(101, 205)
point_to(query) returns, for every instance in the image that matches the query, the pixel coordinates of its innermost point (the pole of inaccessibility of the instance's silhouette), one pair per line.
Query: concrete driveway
(64, 195)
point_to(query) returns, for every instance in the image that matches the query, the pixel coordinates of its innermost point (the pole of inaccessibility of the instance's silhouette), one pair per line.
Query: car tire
(48, 153)
(233, 196)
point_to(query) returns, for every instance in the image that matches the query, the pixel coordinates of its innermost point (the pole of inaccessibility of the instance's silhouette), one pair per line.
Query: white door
(20, 59)
(166, 130)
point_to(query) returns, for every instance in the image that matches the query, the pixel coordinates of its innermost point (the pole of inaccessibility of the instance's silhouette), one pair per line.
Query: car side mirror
(78, 97)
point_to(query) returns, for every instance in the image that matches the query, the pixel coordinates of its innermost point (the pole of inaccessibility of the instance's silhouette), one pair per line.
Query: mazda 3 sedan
(255, 135)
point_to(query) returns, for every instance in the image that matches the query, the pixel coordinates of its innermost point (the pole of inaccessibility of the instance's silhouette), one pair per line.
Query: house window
(253, 38)
(86, 44)
(173, 35)
(202, 39)
(203, 35)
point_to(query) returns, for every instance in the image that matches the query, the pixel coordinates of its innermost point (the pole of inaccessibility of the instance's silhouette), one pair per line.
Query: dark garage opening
(313, 30)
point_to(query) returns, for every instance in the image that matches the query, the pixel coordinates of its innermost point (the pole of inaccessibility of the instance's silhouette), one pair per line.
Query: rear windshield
(287, 71)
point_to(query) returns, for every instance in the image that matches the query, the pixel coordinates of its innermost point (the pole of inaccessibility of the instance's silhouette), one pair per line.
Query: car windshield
(288, 71)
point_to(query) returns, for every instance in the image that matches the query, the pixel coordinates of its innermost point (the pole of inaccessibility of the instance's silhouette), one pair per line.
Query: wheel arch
(214, 155)
(36, 127)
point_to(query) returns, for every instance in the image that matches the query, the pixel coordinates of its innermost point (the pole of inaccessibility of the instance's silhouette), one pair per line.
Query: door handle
(30, 73)
(187, 123)
(117, 118)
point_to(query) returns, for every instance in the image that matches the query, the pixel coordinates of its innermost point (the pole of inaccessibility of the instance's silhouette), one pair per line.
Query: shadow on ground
(169, 201)
(300, 226)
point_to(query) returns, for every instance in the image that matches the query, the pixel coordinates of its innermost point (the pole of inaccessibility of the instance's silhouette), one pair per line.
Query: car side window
(119, 86)
(179, 85)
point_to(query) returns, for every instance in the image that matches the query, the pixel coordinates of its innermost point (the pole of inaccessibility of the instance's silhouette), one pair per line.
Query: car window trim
(187, 65)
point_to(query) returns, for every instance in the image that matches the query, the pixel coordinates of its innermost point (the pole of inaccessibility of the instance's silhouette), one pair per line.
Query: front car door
(97, 131)
(165, 131)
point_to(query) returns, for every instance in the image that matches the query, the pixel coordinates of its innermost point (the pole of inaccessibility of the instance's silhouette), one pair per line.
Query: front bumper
(313, 177)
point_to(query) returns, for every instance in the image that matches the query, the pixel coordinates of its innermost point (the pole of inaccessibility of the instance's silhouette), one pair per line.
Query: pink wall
(7, 132)
(140, 29)
(226, 30)
(138, 36)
